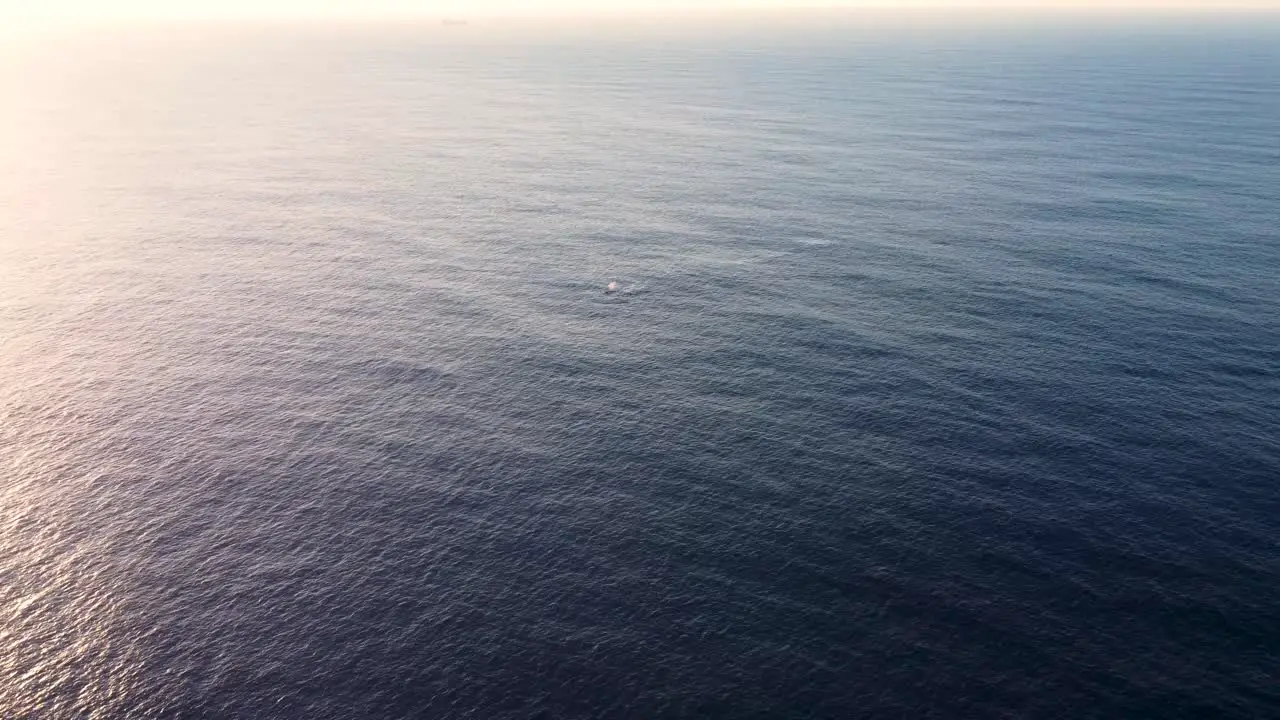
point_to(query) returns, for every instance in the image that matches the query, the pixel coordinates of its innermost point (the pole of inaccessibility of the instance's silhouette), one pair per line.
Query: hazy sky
(91, 9)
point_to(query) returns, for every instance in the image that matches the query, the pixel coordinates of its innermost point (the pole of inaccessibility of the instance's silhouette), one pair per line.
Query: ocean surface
(941, 379)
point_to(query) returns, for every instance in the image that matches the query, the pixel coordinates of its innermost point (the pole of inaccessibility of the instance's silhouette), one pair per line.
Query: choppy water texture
(941, 379)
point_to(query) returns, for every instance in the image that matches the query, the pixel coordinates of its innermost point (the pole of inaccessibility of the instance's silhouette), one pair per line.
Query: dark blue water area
(940, 376)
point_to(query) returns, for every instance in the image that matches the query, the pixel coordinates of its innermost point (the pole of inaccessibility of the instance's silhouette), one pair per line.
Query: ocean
(940, 376)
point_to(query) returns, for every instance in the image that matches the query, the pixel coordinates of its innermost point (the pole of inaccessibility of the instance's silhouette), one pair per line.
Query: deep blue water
(943, 378)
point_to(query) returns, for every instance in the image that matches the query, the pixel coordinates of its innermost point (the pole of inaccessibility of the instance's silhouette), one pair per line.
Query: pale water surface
(942, 378)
